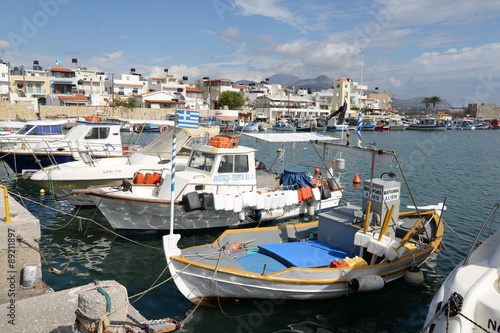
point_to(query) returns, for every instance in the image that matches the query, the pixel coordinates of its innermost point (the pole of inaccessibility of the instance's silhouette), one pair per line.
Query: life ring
(10, 129)
(163, 128)
(138, 128)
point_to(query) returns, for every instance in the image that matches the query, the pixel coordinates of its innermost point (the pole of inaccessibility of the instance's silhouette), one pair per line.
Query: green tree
(435, 100)
(427, 101)
(232, 99)
(128, 103)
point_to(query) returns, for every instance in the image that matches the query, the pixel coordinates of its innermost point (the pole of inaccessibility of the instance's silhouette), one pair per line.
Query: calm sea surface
(461, 166)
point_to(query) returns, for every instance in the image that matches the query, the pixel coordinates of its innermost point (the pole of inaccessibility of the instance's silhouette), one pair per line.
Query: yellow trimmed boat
(350, 249)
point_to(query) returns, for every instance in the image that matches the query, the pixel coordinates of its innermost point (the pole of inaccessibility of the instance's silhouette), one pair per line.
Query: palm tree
(427, 101)
(435, 100)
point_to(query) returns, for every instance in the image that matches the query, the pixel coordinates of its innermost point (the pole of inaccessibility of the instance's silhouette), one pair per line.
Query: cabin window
(233, 163)
(98, 133)
(202, 161)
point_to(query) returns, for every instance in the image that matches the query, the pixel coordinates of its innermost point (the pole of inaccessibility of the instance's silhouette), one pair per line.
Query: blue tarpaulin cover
(312, 253)
(294, 178)
(255, 262)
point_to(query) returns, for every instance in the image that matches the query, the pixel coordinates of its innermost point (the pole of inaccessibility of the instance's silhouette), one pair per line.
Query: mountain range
(323, 82)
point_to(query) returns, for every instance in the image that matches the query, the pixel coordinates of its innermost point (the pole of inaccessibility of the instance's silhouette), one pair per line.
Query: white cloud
(5, 46)
(302, 17)
(230, 34)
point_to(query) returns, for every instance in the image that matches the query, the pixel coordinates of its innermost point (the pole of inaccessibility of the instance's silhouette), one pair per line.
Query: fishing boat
(84, 140)
(219, 187)
(428, 124)
(9, 126)
(368, 126)
(469, 298)
(283, 125)
(495, 124)
(150, 125)
(62, 179)
(33, 132)
(350, 249)
(481, 124)
(462, 124)
(397, 125)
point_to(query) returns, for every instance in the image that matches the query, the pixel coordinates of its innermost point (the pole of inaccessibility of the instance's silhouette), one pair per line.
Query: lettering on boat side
(389, 194)
(112, 171)
(492, 324)
(234, 177)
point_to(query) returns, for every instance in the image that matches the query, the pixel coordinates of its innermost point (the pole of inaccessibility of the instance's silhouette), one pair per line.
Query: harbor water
(461, 167)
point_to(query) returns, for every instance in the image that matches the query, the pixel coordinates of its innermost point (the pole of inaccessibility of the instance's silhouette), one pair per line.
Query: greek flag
(188, 118)
(359, 125)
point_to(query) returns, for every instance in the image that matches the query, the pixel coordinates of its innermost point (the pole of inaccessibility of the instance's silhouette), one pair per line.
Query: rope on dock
(85, 219)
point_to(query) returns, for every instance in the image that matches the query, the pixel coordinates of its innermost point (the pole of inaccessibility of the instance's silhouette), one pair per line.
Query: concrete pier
(27, 304)
(19, 247)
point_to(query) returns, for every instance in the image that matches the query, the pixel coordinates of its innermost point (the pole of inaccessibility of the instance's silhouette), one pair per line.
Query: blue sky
(448, 48)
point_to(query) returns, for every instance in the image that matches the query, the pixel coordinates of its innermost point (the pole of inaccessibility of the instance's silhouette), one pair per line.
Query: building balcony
(36, 91)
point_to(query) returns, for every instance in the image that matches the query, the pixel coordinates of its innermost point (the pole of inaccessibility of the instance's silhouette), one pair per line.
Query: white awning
(290, 137)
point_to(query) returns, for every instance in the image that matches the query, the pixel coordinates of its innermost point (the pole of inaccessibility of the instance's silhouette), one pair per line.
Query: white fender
(366, 283)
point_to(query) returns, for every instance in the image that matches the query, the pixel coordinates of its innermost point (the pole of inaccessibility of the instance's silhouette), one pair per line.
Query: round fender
(366, 283)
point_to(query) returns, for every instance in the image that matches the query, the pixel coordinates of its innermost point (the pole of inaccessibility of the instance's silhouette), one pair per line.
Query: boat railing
(488, 220)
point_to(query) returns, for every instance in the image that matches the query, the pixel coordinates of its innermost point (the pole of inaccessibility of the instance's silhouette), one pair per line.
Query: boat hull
(128, 212)
(426, 128)
(473, 285)
(217, 277)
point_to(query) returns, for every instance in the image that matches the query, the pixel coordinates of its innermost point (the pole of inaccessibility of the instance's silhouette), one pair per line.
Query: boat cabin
(91, 136)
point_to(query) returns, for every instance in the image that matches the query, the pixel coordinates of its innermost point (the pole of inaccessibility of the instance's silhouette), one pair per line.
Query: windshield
(202, 161)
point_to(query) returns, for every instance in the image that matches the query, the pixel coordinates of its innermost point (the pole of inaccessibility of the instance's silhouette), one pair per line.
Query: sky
(445, 48)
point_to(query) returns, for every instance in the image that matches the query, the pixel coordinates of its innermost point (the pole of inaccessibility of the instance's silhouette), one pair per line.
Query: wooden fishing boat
(350, 249)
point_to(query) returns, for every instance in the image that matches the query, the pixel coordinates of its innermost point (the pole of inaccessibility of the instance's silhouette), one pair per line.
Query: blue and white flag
(188, 118)
(359, 125)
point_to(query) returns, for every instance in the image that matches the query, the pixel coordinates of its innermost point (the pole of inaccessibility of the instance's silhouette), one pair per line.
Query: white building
(4, 81)
(276, 106)
(126, 84)
(160, 100)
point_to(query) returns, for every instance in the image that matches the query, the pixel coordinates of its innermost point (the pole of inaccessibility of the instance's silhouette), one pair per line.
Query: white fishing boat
(428, 124)
(219, 187)
(62, 179)
(33, 132)
(9, 126)
(351, 249)
(469, 298)
(92, 139)
(397, 125)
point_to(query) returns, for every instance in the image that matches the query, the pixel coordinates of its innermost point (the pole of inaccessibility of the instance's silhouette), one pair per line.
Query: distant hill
(283, 79)
(414, 104)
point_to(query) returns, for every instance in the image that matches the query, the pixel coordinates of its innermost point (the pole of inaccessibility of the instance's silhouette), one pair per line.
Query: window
(98, 133)
(202, 161)
(233, 164)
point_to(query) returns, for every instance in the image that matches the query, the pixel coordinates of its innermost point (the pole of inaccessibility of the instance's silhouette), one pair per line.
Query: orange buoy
(356, 179)
(234, 247)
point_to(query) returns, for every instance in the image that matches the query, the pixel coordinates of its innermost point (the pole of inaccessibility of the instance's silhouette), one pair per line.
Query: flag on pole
(188, 118)
(359, 125)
